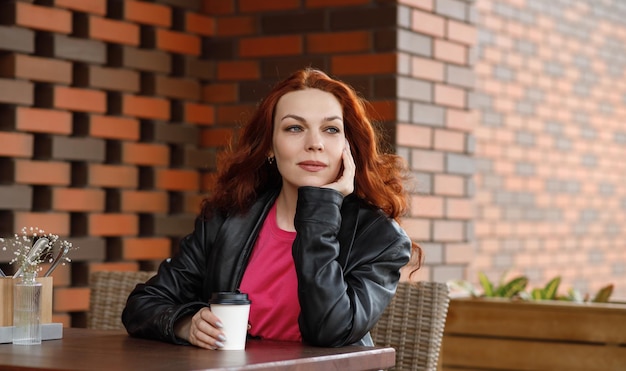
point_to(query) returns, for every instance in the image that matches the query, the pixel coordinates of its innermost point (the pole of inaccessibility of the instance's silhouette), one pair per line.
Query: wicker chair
(413, 324)
(109, 291)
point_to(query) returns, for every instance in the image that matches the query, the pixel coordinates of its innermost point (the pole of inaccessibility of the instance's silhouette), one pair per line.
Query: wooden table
(83, 349)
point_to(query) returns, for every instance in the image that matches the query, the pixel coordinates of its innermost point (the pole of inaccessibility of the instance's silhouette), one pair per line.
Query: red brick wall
(551, 98)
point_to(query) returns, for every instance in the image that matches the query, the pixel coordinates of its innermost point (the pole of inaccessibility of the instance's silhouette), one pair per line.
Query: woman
(302, 219)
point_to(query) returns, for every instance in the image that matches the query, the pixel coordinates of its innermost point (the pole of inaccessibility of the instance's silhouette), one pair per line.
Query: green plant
(516, 288)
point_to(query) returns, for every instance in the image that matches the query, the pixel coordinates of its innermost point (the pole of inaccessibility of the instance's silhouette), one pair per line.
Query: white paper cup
(233, 309)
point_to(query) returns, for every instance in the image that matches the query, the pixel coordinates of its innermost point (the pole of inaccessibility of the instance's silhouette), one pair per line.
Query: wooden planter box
(498, 334)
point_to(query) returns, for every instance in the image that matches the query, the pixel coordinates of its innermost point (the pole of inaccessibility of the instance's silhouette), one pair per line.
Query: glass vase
(26, 302)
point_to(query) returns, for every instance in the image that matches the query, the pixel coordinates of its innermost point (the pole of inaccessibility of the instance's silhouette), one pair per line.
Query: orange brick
(449, 141)
(111, 127)
(144, 201)
(198, 113)
(75, 99)
(413, 136)
(43, 18)
(57, 223)
(43, 121)
(236, 26)
(427, 69)
(461, 32)
(207, 182)
(234, 114)
(147, 13)
(77, 199)
(16, 144)
(263, 6)
(42, 172)
(238, 70)
(384, 110)
(64, 319)
(447, 95)
(117, 266)
(220, 93)
(364, 64)
(176, 179)
(36, 68)
(70, 299)
(146, 107)
(199, 24)
(333, 3)
(192, 202)
(113, 31)
(422, 4)
(112, 176)
(270, 46)
(337, 42)
(218, 7)
(216, 137)
(177, 42)
(112, 224)
(459, 208)
(428, 23)
(92, 6)
(150, 154)
(448, 230)
(427, 206)
(146, 248)
(418, 229)
(62, 275)
(449, 185)
(450, 52)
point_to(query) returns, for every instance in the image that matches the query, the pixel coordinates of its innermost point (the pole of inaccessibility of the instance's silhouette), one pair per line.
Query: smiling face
(308, 138)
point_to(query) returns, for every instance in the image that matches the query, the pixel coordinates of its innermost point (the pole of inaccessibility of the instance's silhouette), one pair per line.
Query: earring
(270, 159)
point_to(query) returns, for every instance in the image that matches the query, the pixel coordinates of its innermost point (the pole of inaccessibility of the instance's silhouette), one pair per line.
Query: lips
(312, 166)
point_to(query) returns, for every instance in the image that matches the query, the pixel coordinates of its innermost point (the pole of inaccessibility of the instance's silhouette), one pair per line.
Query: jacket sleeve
(339, 307)
(153, 308)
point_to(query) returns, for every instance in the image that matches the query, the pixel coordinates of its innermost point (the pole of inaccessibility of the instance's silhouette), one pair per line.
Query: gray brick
(470, 187)
(606, 189)
(605, 108)
(553, 68)
(433, 253)
(485, 36)
(513, 213)
(563, 144)
(16, 197)
(403, 110)
(588, 132)
(503, 73)
(492, 181)
(414, 43)
(424, 182)
(525, 47)
(618, 269)
(553, 186)
(483, 165)
(525, 108)
(452, 8)
(414, 89)
(470, 234)
(503, 260)
(512, 245)
(459, 164)
(580, 117)
(445, 273)
(581, 89)
(524, 169)
(589, 160)
(620, 137)
(460, 76)
(595, 256)
(572, 186)
(553, 127)
(17, 39)
(491, 118)
(478, 100)
(470, 144)
(534, 94)
(427, 114)
(525, 138)
(77, 148)
(404, 16)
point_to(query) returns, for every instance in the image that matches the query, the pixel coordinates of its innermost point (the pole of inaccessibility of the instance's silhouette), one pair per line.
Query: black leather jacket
(347, 257)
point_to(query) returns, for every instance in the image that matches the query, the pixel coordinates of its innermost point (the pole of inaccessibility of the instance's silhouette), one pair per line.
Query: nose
(314, 142)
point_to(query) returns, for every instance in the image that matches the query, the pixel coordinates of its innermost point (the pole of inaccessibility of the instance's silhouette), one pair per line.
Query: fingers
(205, 330)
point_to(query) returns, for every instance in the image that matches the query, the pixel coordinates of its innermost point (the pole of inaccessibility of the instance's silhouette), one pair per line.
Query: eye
(293, 128)
(332, 130)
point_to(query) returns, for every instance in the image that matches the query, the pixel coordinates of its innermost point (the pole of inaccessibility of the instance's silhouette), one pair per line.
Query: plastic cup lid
(237, 298)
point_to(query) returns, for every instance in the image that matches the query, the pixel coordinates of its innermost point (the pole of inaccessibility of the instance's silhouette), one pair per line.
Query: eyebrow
(301, 119)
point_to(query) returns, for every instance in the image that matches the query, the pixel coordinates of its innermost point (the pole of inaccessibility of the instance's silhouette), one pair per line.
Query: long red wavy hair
(244, 170)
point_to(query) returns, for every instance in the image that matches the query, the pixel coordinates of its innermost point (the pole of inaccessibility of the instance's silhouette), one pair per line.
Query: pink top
(271, 284)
